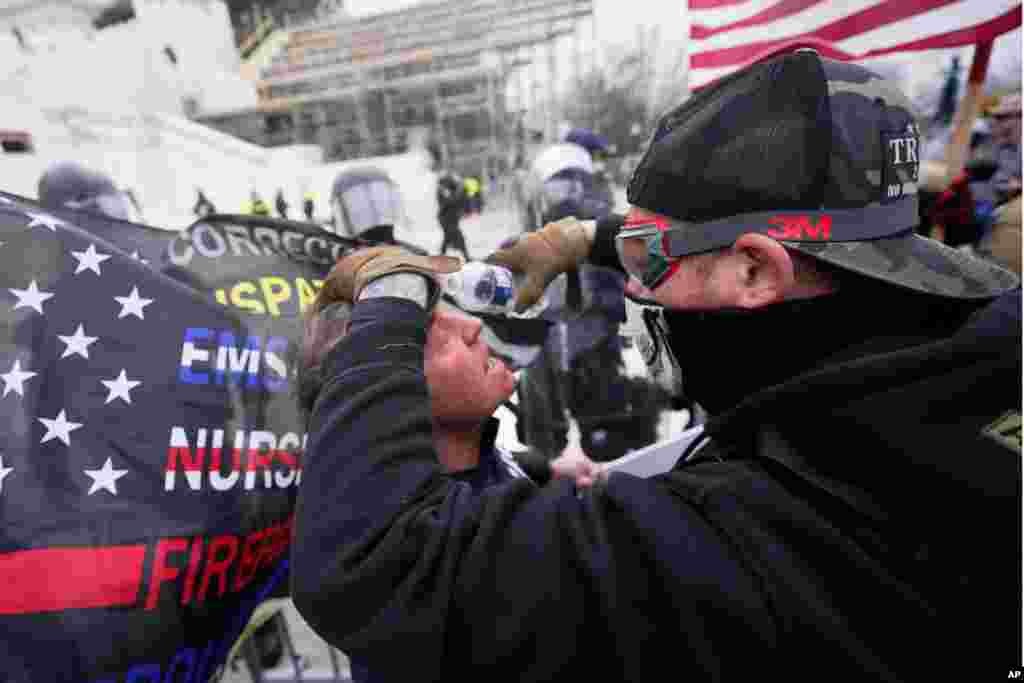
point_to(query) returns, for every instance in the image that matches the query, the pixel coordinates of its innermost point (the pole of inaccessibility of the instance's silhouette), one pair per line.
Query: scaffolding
(360, 87)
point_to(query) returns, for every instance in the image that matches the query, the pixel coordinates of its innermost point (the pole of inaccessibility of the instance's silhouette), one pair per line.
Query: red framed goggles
(642, 247)
(649, 245)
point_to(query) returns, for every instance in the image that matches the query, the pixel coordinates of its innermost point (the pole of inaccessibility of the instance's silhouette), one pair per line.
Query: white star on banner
(90, 259)
(120, 387)
(4, 471)
(77, 343)
(132, 304)
(31, 297)
(105, 478)
(43, 219)
(58, 428)
(138, 257)
(15, 379)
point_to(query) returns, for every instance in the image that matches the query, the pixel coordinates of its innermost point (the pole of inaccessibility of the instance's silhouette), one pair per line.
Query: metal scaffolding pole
(389, 121)
(439, 122)
(362, 102)
(492, 116)
(594, 66)
(577, 58)
(552, 109)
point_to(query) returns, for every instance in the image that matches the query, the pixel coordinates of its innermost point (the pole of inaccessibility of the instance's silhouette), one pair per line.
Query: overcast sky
(616, 19)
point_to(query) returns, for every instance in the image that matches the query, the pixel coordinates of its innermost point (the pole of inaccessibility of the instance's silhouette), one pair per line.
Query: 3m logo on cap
(801, 228)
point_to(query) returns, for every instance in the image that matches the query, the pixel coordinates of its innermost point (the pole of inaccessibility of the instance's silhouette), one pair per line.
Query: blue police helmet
(68, 184)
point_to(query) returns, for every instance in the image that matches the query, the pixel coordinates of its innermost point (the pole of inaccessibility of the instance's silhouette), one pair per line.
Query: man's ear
(765, 271)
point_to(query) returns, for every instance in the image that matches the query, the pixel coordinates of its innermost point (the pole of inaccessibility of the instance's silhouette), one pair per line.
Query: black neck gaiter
(727, 355)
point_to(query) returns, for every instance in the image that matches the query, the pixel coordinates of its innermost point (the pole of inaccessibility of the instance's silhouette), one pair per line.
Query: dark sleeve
(535, 464)
(603, 252)
(384, 541)
(399, 565)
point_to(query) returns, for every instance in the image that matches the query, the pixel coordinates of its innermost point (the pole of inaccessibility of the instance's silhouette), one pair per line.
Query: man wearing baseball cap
(854, 510)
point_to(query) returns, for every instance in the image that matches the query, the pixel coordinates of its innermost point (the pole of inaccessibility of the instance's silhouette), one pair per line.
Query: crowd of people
(852, 503)
(979, 210)
(257, 206)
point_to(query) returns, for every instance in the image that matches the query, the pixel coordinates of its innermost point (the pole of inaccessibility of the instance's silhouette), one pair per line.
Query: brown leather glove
(326, 321)
(324, 328)
(354, 271)
(544, 255)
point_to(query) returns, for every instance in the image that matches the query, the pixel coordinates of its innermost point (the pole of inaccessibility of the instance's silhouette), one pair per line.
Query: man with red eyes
(854, 503)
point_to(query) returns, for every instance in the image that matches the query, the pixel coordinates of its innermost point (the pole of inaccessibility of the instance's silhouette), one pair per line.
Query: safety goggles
(650, 246)
(642, 252)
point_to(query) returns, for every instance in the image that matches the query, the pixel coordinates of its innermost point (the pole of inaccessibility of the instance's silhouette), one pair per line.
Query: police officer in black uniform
(451, 205)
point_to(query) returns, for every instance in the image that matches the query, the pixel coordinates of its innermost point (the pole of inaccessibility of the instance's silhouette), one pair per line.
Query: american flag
(149, 454)
(726, 35)
(150, 435)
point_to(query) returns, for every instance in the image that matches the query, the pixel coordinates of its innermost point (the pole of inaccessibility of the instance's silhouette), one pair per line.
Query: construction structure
(361, 87)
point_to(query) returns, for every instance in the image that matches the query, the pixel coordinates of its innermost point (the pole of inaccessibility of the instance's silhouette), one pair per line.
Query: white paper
(656, 458)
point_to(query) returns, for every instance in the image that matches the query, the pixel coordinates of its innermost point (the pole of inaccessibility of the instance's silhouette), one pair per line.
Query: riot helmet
(68, 184)
(362, 199)
(595, 143)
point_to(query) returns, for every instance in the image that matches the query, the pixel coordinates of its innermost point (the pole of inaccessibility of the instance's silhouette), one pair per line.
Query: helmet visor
(364, 206)
(561, 191)
(114, 205)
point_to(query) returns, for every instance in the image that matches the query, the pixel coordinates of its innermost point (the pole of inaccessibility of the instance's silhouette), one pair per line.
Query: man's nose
(456, 322)
(471, 329)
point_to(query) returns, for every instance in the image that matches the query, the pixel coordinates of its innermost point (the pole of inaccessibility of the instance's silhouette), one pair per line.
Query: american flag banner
(726, 35)
(150, 439)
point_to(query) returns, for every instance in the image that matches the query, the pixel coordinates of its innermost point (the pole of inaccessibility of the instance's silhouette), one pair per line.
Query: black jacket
(861, 521)
(494, 467)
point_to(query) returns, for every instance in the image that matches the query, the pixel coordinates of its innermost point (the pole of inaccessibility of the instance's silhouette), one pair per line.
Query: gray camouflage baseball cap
(819, 154)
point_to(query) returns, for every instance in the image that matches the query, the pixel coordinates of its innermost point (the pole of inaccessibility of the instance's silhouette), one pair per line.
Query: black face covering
(727, 355)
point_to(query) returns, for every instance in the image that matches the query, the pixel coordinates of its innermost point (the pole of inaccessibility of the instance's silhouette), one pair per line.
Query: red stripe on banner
(971, 35)
(55, 579)
(713, 4)
(778, 11)
(868, 19)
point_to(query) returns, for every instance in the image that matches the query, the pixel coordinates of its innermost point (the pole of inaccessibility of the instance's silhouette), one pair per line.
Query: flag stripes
(727, 35)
